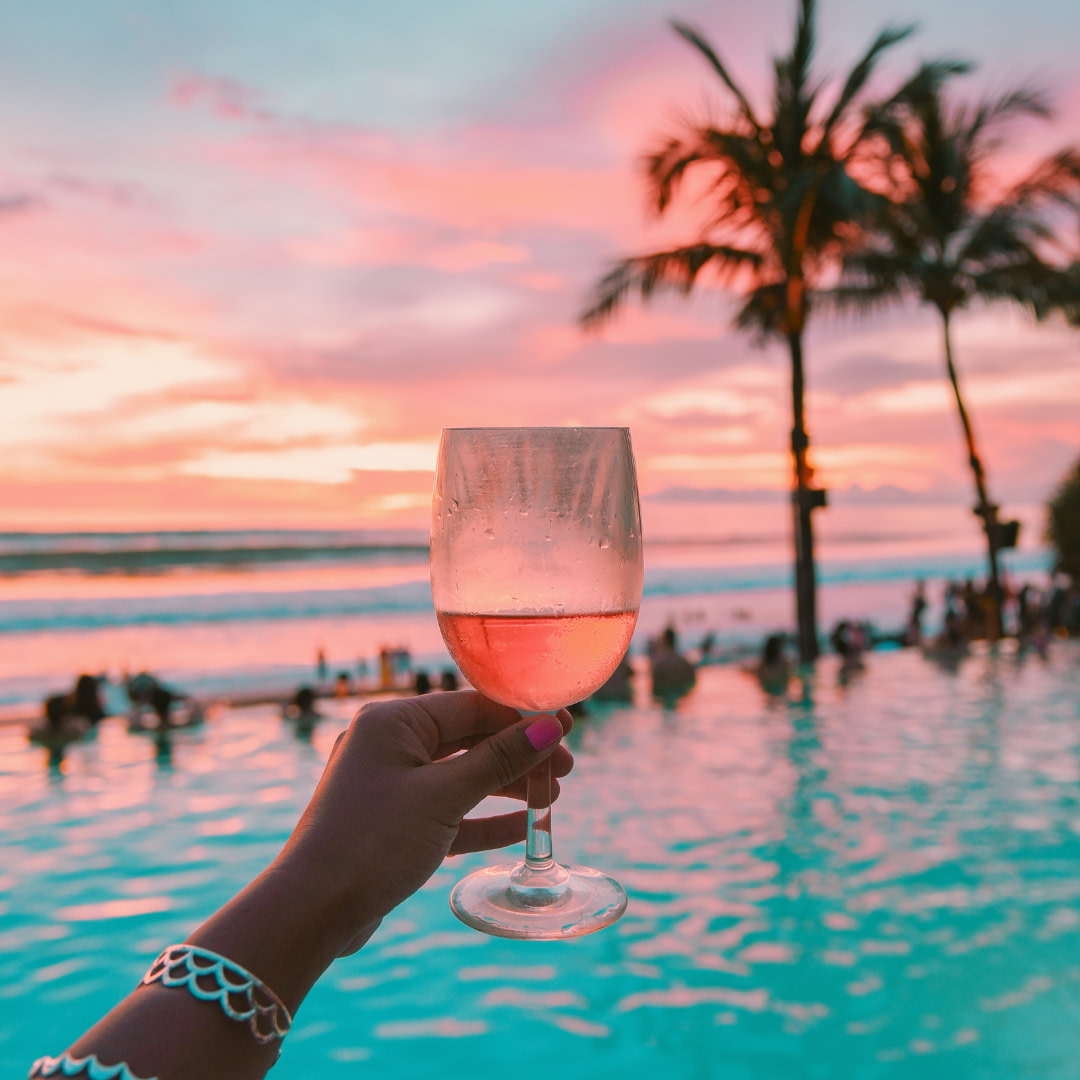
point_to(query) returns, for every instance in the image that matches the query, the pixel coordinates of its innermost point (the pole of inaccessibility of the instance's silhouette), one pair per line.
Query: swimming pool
(882, 883)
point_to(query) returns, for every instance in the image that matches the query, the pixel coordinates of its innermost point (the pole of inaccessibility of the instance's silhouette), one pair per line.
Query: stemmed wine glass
(536, 571)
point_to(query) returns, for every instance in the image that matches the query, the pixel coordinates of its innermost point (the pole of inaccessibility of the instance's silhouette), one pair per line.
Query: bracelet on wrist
(89, 1067)
(206, 975)
(211, 977)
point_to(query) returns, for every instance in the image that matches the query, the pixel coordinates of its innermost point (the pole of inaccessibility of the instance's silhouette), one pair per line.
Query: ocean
(245, 612)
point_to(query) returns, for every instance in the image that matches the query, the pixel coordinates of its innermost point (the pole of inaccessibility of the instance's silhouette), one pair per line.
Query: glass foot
(517, 901)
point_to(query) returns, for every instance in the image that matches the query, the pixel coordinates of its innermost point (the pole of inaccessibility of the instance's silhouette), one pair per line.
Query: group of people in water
(1031, 615)
(303, 713)
(152, 708)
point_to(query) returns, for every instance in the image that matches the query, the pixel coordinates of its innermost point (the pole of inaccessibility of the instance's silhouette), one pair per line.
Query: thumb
(501, 759)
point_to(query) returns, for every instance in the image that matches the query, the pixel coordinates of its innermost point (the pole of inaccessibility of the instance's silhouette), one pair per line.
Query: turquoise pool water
(882, 882)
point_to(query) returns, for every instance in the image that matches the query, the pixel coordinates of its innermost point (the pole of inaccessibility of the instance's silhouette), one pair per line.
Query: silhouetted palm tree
(781, 205)
(948, 240)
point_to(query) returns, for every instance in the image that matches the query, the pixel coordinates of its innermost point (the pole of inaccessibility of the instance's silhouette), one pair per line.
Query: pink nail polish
(544, 732)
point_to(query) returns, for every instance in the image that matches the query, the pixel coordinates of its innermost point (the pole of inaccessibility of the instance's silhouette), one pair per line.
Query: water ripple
(879, 883)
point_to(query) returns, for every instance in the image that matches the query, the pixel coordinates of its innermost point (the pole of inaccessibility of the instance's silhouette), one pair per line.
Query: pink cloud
(384, 246)
(225, 98)
(432, 281)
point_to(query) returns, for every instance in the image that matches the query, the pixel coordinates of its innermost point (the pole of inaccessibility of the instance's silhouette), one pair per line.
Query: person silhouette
(302, 713)
(672, 674)
(773, 669)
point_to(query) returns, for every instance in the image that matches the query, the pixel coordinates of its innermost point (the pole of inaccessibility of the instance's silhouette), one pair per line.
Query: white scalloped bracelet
(90, 1067)
(240, 995)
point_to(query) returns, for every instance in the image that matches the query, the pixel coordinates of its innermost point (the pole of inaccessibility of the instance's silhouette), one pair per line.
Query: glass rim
(553, 427)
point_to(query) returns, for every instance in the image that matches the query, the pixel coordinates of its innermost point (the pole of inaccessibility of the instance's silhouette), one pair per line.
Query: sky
(254, 256)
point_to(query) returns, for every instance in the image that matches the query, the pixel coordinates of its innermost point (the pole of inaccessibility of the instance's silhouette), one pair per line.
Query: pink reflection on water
(440, 1028)
(114, 909)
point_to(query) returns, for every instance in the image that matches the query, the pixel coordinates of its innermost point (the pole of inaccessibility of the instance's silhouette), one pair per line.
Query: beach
(238, 615)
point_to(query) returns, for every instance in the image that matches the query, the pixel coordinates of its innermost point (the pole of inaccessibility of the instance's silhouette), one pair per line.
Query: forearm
(282, 931)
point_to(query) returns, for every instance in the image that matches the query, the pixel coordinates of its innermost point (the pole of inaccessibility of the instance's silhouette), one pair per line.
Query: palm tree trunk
(984, 508)
(803, 504)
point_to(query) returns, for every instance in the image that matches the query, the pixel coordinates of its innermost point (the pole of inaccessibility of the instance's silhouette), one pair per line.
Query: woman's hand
(393, 799)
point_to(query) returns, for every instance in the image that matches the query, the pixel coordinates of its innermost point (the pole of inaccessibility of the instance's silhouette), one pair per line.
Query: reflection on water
(877, 881)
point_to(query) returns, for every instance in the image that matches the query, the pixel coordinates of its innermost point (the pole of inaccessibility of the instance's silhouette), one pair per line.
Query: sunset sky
(256, 254)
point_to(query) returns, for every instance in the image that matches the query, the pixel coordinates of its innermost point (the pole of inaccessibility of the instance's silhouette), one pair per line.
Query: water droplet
(547, 537)
(605, 543)
(489, 533)
(453, 505)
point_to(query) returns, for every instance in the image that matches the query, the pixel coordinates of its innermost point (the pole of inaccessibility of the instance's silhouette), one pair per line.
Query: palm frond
(916, 95)
(1055, 180)
(802, 50)
(1065, 293)
(936, 238)
(741, 160)
(764, 312)
(695, 38)
(1037, 286)
(860, 74)
(676, 270)
(991, 114)
(665, 168)
(1001, 235)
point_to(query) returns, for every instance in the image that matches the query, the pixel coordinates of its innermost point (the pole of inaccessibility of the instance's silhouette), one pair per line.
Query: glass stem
(538, 835)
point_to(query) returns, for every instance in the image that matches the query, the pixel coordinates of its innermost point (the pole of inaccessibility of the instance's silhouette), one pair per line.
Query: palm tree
(782, 204)
(946, 239)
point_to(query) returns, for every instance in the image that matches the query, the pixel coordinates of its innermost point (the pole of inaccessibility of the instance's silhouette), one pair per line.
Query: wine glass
(536, 574)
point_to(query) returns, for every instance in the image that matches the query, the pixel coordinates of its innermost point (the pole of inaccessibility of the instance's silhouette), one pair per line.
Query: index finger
(465, 714)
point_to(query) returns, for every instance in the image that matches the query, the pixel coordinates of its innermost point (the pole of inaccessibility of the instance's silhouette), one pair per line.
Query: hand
(392, 800)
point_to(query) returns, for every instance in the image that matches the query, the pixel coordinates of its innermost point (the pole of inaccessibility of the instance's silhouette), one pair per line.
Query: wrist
(282, 928)
(344, 919)
(332, 883)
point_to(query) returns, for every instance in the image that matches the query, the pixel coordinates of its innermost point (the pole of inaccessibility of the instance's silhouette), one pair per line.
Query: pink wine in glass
(538, 662)
(536, 576)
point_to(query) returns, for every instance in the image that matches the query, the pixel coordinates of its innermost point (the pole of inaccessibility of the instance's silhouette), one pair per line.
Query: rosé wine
(537, 662)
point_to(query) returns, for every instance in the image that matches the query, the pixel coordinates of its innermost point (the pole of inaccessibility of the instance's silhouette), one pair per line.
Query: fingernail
(544, 732)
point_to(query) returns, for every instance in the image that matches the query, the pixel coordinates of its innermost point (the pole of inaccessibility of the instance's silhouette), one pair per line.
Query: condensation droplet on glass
(489, 533)
(453, 505)
(605, 543)
(547, 537)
